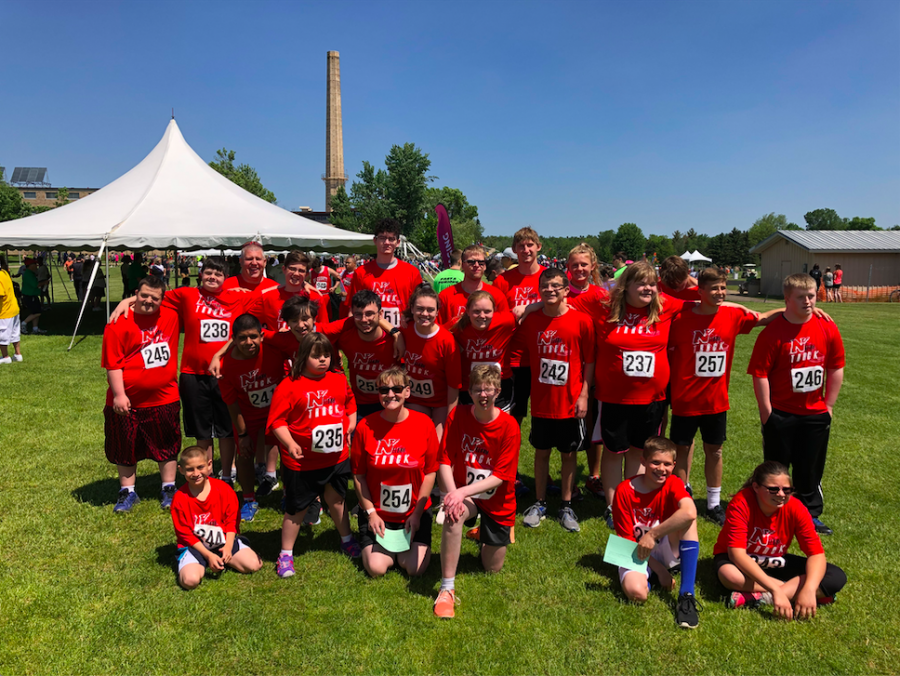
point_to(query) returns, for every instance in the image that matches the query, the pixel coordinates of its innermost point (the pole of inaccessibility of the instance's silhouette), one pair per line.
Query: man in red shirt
(141, 416)
(266, 306)
(390, 278)
(253, 267)
(558, 343)
(453, 298)
(795, 357)
(676, 281)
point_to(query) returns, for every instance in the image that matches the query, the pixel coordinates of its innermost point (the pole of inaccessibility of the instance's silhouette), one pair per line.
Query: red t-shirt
(557, 348)
(490, 346)
(365, 359)
(266, 306)
(632, 366)
(476, 451)
(636, 513)
(394, 458)
(316, 412)
(394, 286)
(689, 293)
(207, 320)
(453, 301)
(207, 520)
(251, 382)
(346, 276)
(796, 358)
(767, 538)
(701, 349)
(519, 290)
(238, 281)
(433, 365)
(591, 302)
(145, 348)
(322, 281)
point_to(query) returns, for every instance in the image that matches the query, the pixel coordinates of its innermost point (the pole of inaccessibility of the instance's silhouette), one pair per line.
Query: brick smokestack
(334, 135)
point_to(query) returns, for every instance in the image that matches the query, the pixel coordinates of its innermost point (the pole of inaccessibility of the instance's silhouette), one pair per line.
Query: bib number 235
(328, 438)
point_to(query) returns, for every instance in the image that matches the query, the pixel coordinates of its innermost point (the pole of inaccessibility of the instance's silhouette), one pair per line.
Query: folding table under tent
(173, 200)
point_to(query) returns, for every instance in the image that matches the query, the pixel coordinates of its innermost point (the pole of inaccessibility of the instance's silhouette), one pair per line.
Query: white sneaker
(6, 360)
(17, 357)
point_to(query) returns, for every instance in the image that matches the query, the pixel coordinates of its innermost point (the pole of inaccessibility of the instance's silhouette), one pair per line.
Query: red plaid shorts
(152, 433)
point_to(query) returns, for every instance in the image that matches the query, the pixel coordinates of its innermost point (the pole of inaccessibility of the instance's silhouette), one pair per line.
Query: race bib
(261, 398)
(396, 499)
(321, 284)
(769, 562)
(474, 474)
(554, 372)
(365, 386)
(212, 537)
(639, 364)
(423, 389)
(213, 330)
(710, 364)
(486, 363)
(392, 315)
(807, 379)
(328, 438)
(156, 355)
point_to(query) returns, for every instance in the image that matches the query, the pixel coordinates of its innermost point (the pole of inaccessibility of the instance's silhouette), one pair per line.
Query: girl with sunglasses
(395, 461)
(751, 556)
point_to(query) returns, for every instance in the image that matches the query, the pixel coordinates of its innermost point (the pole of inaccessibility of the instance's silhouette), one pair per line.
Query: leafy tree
(895, 228)
(630, 239)
(463, 220)
(605, 241)
(369, 196)
(823, 219)
(243, 175)
(768, 225)
(11, 203)
(661, 246)
(407, 169)
(62, 197)
(859, 223)
(342, 214)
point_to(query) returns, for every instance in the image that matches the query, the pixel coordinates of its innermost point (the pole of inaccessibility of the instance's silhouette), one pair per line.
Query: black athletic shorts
(568, 435)
(32, 304)
(362, 410)
(522, 382)
(625, 425)
(492, 533)
(301, 489)
(205, 414)
(367, 537)
(794, 566)
(712, 428)
(504, 400)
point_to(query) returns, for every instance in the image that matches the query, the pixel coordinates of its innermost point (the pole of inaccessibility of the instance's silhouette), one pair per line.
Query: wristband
(370, 511)
(394, 331)
(245, 434)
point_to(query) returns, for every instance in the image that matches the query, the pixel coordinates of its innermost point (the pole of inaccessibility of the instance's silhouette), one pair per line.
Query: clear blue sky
(573, 117)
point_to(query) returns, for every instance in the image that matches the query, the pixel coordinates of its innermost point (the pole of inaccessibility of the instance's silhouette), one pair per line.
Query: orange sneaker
(444, 605)
(474, 534)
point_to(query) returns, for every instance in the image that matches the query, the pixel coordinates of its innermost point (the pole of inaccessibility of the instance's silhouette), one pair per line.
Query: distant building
(323, 217)
(866, 257)
(46, 196)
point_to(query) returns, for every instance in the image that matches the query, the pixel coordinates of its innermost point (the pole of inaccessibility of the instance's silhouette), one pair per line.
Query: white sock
(130, 489)
(271, 475)
(447, 583)
(346, 538)
(287, 552)
(166, 484)
(712, 496)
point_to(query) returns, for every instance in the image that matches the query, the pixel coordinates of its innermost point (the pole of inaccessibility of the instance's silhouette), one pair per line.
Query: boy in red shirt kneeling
(206, 519)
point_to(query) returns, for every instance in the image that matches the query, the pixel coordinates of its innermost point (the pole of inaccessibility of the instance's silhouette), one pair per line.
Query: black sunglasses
(396, 389)
(476, 261)
(773, 490)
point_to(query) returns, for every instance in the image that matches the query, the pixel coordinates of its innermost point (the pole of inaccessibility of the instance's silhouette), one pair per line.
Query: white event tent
(174, 200)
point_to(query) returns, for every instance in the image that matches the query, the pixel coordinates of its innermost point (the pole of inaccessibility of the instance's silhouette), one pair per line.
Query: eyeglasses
(386, 240)
(552, 287)
(476, 261)
(396, 389)
(773, 490)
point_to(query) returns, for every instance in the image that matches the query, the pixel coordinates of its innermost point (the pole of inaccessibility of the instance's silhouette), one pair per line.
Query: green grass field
(87, 592)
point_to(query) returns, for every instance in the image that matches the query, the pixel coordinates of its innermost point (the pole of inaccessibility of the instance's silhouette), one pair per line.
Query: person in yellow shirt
(10, 325)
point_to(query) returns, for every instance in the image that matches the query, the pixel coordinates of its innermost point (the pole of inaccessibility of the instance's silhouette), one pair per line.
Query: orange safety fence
(857, 294)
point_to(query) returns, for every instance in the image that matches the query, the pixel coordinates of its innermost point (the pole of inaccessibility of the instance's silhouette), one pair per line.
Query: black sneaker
(313, 514)
(266, 486)
(821, 528)
(689, 490)
(716, 515)
(686, 611)
(607, 515)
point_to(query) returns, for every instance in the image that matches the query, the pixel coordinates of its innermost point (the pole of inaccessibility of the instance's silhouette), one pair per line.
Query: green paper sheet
(394, 540)
(623, 553)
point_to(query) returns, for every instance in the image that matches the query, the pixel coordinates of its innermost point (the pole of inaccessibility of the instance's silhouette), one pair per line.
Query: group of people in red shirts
(432, 404)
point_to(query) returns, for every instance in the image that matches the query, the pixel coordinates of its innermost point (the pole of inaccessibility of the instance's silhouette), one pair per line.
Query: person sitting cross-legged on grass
(655, 510)
(478, 461)
(751, 556)
(207, 522)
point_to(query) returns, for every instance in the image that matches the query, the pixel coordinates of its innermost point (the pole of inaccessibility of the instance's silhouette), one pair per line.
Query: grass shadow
(105, 492)
(167, 556)
(594, 562)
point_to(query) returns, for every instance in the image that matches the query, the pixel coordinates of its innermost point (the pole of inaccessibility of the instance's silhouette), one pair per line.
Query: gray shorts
(189, 555)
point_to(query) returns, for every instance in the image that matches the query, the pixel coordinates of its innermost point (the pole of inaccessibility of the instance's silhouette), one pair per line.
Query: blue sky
(572, 117)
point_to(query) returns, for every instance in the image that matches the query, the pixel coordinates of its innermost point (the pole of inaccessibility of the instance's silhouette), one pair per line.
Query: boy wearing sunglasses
(454, 298)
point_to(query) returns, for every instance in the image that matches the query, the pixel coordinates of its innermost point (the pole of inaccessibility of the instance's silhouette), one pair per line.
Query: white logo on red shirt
(706, 340)
(473, 447)
(363, 359)
(153, 335)
(204, 519)
(390, 452)
(765, 542)
(321, 404)
(412, 364)
(801, 350)
(210, 306)
(251, 380)
(525, 295)
(636, 323)
(549, 343)
(387, 294)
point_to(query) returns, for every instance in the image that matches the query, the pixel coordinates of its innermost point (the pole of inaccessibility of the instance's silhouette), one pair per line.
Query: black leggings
(795, 566)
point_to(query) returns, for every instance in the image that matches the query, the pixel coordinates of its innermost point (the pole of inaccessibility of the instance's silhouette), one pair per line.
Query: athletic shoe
(166, 496)
(313, 514)
(577, 495)
(249, 509)
(127, 499)
(535, 514)
(285, 565)
(568, 520)
(38, 332)
(521, 488)
(690, 491)
(6, 360)
(607, 515)
(266, 486)
(474, 534)
(594, 486)
(17, 357)
(355, 510)
(440, 516)
(821, 528)
(716, 515)
(748, 599)
(552, 488)
(686, 611)
(445, 604)
(352, 548)
(826, 600)
(260, 471)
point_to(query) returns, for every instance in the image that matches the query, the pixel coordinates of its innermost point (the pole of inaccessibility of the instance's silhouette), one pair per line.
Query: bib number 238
(213, 330)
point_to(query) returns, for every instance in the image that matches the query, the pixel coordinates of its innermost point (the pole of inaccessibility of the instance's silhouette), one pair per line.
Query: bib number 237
(639, 364)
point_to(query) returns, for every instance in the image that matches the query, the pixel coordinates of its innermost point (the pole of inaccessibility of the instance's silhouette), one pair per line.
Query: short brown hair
(295, 257)
(313, 344)
(659, 445)
(395, 375)
(525, 234)
(801, 280)
(476, 248)
(674, 271)
(485, 374)
(191, 452)
(711, 275)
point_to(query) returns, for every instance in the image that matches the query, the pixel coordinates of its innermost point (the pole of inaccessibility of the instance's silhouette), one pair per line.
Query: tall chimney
(334, 136)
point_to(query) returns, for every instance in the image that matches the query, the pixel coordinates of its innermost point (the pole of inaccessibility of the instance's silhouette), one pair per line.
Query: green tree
(342, 214)
(407, 168)
(661, 246)
(630, 239)
(62, 197)
(11, 203)
(768, 225)
(605, 242)
(463, 220)
(823, 219)
(369, 196)
(243, 175)
(859, 223)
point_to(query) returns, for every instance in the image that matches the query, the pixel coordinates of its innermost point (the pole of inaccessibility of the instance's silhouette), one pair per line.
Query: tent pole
(87, 294)
(65, 288)
(107, 285)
